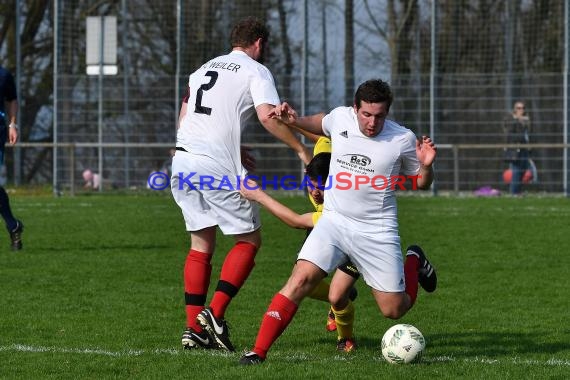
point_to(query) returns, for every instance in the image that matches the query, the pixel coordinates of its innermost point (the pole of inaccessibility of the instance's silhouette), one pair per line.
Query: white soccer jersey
(356, 158)
(223, 95)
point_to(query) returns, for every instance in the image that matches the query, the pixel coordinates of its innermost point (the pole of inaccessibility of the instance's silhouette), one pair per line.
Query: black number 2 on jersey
(205, 87)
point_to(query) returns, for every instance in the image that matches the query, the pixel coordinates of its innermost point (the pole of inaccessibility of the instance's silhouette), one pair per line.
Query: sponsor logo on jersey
(344, 134)
(358, 159)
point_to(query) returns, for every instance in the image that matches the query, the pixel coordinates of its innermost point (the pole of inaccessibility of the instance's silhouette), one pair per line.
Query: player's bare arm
(280, 130)
(285, 113)
(311, 136)
(13, 130)
(312, 124)
(426, 152)
(253, 192)
(13, 136)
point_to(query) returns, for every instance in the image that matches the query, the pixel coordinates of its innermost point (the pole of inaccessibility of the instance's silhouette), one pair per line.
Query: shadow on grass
(481, 343)
(495, 344)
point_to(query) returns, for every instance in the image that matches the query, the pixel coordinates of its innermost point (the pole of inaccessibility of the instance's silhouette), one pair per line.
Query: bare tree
(398, 31)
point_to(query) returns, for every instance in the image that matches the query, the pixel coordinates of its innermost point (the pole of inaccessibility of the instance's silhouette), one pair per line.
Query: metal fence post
(17, 152)
(565, 182)
(456, 169)
(55, 94)
(72, 169)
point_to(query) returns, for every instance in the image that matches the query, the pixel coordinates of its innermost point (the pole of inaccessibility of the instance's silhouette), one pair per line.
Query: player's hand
(12, 135)
(249, 189)
(425, 151)
(247, 158)
(284, 112)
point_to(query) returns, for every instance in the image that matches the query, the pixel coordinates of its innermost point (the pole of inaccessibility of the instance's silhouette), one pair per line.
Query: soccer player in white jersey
(223, 94)
(359, 221)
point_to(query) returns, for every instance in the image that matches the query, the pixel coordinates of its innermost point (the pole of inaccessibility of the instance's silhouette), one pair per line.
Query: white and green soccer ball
(403, 344)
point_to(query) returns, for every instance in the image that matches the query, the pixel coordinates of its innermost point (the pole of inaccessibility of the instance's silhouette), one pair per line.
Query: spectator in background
(9, 132)
(516, 127)
(92, 180)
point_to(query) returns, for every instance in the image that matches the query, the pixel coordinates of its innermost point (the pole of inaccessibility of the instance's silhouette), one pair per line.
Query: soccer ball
(403, 344)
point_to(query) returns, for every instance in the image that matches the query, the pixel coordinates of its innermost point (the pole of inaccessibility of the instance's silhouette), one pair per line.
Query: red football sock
(278, 316)
(411, 273)
(237, 266)
(197, 272)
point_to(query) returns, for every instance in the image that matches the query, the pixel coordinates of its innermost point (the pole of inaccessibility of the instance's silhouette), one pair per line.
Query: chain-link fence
(456, 67)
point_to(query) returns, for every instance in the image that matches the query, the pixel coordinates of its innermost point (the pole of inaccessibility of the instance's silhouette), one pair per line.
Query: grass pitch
(97, 293)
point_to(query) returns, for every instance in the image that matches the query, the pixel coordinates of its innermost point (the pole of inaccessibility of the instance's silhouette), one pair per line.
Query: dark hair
(517, 102)
(247, 31)
(319, 166)
(373, 91)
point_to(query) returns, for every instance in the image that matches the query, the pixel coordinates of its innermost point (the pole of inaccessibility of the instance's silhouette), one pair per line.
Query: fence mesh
(470, 60)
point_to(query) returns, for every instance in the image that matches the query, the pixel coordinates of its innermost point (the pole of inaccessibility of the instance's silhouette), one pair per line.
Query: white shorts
(378, 257)
(212, 199)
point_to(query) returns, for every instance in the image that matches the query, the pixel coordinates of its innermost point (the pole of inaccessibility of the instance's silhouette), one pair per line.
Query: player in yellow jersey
(344, 292)
(344, 314)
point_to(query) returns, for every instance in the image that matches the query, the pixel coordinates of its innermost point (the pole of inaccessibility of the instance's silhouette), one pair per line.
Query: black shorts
(349, 269)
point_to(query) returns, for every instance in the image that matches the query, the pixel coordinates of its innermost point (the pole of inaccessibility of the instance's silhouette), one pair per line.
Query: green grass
(97, 293)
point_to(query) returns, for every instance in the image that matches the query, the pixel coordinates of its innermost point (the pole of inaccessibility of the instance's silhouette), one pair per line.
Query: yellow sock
(344, 321)
(321, 292)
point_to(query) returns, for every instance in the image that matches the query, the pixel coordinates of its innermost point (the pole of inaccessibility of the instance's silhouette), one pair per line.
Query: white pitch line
(91, 351)
(298, 357)
(99, 351)
(484, 360)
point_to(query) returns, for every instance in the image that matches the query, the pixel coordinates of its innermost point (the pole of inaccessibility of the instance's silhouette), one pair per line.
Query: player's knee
(301, 284)
(253, 238)
(305, 277)
(296, 289)
(392, 314)
(393, 311)
(392, 305)
(338, 300)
